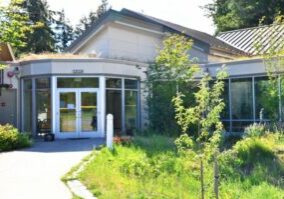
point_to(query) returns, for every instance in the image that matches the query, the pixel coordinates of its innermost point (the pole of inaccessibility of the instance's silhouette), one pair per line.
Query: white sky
(184, 12)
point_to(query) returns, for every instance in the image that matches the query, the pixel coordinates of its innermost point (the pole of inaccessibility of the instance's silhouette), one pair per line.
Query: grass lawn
(151, 168)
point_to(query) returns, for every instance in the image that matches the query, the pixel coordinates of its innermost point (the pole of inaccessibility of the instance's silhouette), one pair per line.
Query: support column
(102, 105)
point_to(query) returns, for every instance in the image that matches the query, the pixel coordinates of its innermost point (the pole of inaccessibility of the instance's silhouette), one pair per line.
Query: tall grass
(151, 167)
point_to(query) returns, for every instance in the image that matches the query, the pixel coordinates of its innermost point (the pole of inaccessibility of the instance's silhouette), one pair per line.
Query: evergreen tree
(64, 32)
(42, 38)
(92, 17)
(14, 24)
(236, 14)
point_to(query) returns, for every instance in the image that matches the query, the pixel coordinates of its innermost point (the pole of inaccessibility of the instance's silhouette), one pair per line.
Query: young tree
(172, 70)
(92, 17)
(205, 114)
(236, 14)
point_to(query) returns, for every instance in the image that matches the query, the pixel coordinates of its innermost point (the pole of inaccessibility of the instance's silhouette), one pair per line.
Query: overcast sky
(184, 12)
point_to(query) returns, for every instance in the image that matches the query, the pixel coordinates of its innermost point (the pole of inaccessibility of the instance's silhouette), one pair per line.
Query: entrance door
(77, 113)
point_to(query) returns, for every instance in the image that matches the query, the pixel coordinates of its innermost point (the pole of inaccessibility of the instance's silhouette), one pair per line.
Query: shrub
(254, 130)
(253, 161)
(10, 138)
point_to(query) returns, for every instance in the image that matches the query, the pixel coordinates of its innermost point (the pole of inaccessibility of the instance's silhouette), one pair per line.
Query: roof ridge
(166, 21)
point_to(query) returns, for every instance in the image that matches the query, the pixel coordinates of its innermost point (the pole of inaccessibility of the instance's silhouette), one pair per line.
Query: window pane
(67, 112)
(89, 118)
(241, 92)
(42, 83)
(113, 83)
(130, 111)
(131, 84)
(43, 105)
(239, 126)
(27, 105)
(78, 82)
(226, 125)
(113, 106)
(266, 98)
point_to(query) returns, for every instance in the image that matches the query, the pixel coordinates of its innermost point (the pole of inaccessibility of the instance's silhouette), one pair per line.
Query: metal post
(109, 131)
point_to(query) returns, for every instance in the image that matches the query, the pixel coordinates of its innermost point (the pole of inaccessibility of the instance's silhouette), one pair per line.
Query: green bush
(255, 130)
(10, 138)
(253, 160)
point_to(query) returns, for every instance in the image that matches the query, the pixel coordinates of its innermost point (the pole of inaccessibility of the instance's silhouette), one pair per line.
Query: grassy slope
(150, 168)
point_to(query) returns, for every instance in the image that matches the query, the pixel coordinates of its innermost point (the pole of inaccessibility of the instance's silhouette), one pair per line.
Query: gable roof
(256, 40)
(194, 34)
(6, 53)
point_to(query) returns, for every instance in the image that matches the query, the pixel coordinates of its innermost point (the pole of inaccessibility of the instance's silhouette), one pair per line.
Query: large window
(242, 99)
(36, 105)
(122, 102)
(266, 99)
(250, 98)
(43, 106)
(27, 105)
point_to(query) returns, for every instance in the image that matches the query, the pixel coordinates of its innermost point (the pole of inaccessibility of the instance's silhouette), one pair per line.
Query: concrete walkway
(35, 173)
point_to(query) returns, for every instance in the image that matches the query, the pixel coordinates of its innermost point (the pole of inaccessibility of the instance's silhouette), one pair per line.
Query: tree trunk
(202, 179)
(216, 176)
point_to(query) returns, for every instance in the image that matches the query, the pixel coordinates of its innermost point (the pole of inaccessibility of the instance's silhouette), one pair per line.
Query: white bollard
(109, 131)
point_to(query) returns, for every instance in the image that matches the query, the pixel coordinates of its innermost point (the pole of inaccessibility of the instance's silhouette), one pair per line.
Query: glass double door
(77, 113)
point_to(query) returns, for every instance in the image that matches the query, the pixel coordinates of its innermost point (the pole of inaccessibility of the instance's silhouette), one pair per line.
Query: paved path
(35, 173)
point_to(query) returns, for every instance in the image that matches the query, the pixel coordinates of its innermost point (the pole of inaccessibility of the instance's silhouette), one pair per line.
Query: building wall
(87, 67)
(8, 99)
(125, 42)
(8, 106)
(247, 67)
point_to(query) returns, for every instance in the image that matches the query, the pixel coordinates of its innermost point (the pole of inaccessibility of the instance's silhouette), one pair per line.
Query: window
(131, 84)
(130, 111)
(266, 98)
(78, 82)
(123, 104)
(113, 83)
(27, 95)
(43, 105)
(114, 107)
(241, 98)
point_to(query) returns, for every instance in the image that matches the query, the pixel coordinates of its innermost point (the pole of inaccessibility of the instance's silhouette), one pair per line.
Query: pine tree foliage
(93, 16)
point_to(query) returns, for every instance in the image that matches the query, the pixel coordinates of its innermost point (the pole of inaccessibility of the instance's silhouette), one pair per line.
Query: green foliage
(255, 130)
(171, 72)
(93, 16)
(253, 161)
(64, 32)
(14, 24)
(184, 142)
(236, 14)
(206, 113)
(10, 138)
(149, 169)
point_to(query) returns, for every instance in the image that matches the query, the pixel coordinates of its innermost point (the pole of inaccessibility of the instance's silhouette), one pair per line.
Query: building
(70, 95)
